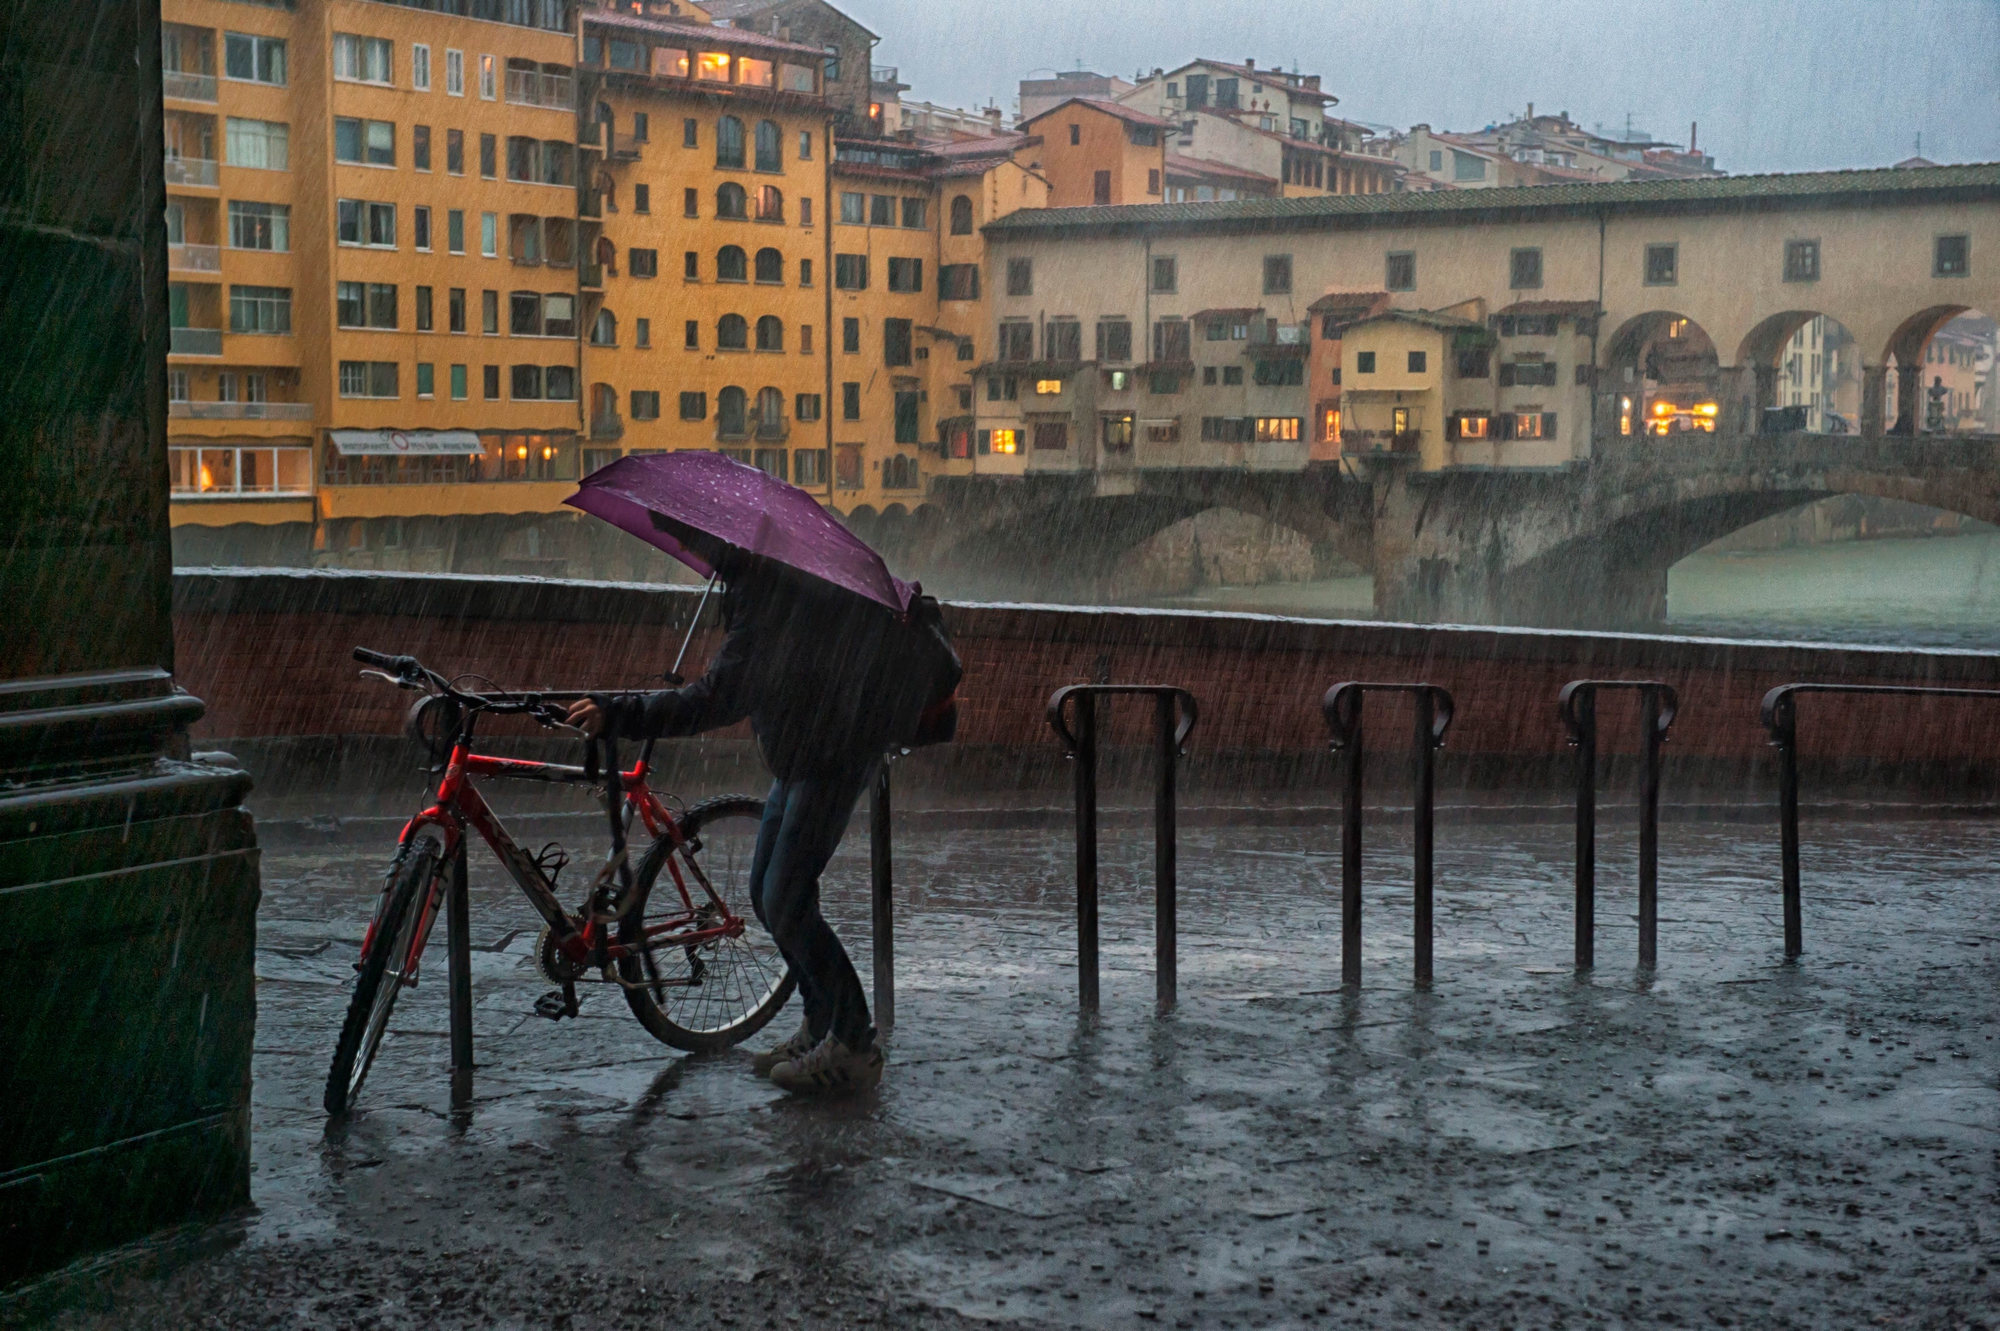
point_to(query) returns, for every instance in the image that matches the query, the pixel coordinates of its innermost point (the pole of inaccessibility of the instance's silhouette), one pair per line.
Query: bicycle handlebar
(411, 672)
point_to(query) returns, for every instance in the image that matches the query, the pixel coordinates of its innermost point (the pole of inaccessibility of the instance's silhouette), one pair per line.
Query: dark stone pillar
(1909, 398)
(1874, 380)
(128, 873)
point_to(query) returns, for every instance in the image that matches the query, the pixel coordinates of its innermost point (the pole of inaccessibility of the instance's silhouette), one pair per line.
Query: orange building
(1100, 153)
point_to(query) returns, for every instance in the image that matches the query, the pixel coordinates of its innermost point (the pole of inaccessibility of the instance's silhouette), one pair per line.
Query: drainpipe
(1596, 393)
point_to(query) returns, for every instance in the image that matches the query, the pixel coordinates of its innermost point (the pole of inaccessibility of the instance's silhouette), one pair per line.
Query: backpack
(933, 662)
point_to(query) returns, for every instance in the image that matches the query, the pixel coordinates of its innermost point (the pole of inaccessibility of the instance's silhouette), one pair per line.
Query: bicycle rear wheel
(720, 991)
(390, 960)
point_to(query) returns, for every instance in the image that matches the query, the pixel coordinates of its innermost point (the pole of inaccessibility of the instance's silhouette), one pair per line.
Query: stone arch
(1930, 372)
(1781, 354)
(1663, 375)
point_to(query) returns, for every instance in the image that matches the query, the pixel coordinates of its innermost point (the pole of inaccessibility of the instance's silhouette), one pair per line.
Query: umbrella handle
(675, 673)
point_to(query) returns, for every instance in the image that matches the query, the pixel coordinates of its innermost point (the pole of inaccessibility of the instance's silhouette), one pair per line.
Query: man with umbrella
(832, 661)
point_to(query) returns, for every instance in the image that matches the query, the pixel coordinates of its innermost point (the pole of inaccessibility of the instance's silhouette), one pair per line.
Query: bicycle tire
(754, 985)
(414, 876)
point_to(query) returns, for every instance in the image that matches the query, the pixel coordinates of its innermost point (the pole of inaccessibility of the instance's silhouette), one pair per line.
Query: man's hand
(587, 716)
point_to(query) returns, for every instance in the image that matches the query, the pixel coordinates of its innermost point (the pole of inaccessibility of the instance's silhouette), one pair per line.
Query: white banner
(406, 443)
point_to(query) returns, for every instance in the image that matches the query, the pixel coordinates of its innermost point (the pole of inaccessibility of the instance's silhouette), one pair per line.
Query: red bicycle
(697, 974)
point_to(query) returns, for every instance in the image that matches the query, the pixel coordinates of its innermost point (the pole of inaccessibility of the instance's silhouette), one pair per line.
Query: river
(1931, 592)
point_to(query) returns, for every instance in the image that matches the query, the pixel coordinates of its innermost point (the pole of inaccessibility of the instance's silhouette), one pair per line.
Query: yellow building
(374, 285)
(706, 152)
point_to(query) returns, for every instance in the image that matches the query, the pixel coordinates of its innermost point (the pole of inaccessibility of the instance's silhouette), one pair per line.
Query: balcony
(187, 87)
(195, 258)
(591, 276)
(190, 171)
(590, 134)
(527, 87)
(773, 432)
(240, 411)
(607, 426)
(625, 148)
(195, 342)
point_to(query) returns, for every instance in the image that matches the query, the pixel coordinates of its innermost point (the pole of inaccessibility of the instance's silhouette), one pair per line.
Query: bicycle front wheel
(721, 989)
(388, 967)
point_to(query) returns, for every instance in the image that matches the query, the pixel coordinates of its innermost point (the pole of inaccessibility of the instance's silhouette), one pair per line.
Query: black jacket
(827, 679)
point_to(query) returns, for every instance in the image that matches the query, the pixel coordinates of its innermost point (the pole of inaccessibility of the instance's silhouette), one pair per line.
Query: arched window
(604, 411)
(770, 157)
(732, 333)
(770, 265)
(729, 141)
(604, 116)
(770, 333)
(731, 201)
(730, 405)
(770, 204)
(731, 265)
(604, 332)
(961, 215)
(607, 255)
(770, 413)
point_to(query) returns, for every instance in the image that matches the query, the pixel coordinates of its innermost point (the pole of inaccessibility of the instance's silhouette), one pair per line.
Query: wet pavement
(1730, 1142)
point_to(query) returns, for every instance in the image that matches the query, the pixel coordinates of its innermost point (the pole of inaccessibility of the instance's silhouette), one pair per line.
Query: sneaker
(831, 1068)
(798, 1046)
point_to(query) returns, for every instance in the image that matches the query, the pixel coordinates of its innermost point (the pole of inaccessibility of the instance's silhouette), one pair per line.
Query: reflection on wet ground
(1731, 1141)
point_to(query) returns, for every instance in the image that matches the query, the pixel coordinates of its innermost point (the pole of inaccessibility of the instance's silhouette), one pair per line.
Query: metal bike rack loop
(1577, 707)
(458, 975)
(882, 900)
(1168, 739)
(1779, 713)
(1342, 709)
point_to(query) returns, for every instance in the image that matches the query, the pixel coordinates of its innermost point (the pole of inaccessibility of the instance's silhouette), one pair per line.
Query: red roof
(1178, 165)
(1345, 300)
(1117, 109)
(699, 34)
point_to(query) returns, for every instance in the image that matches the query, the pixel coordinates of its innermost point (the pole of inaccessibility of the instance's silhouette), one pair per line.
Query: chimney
(1249, 64)
(1694, 127)
(1531, 110)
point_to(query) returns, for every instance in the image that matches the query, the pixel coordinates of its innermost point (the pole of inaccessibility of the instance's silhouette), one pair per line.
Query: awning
(406, 443)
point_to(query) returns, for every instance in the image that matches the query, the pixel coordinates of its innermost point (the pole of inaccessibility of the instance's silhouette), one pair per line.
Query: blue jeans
(804, 820)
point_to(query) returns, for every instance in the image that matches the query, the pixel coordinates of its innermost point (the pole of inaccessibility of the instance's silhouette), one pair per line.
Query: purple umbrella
(742, 506)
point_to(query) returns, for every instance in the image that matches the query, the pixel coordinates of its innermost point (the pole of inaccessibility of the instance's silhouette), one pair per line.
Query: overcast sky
(1777, 85)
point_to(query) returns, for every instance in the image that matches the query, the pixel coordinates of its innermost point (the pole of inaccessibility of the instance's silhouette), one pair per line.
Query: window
(906, 274)
(421, 228)
(1419, 362)
(489, 156)
(490, 382)
(368, 378)
(805, 212)
(420, 147)
(1952, 257)
(1364, 362)
(732, 333)
(458, 383)
(489, 235)
(559, 315)
(364, 142)
(690, 203)
(454, 231)
(1173, 341)
(1051, 436)
(770, 266)
(365, 304)
(1049, 387)
(1528, 374)
(881, 210)
(853, 209)
(1401, 273)
(424, 324)
(906, 418)
(642, 199)
(1020, 277)
(559, 383)
(454, 151)
(769, 147)
(731, 201)
(805, 141)
(1164, 432)
(691, 335)
(251, 59)
(897, 342)
(262, 144)
(1153, 181)
(1278, 429)
(454, 73)
(362, 59)
(805, 407)
(690, 266)
(642, 263)
(770, 333)
(1662, 265)
(1017, 341)
(604, 329)
(731, 412)
(1282, 373)
(455, 309)
(850, 272)
(1277, 274)
(694, 406)
(358, 222)
(489, 313)
(1062, 340)
(420, 67)
(850, 402)
(426, 379)
(1802, 261)
(1166, 273)
(489, 79)
(961, 215)
(1534, 425)
(525, 383)
(1473, 363)
(260, 226)
(260, 309)
(916, 214)
(729, 142)
(958, 281)
(731, 264)
(1225, 429)
(770, 203)
(1468, 425)
(1524, 269)
(645, 404)
(1232, 375)
(642, 127)
(1116, 431)
(642, 332)
(630, 56)
(690, 134)
(850, 336)
(1100, 185)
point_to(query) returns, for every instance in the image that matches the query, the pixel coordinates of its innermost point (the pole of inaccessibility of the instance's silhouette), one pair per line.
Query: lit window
(1005, 441)
(1048, 387)
(713, 66)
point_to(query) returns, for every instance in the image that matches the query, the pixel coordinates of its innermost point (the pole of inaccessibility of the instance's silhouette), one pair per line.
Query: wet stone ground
(1730, 1142)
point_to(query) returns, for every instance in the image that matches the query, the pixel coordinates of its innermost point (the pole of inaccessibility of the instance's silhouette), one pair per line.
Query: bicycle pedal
(557, 1003)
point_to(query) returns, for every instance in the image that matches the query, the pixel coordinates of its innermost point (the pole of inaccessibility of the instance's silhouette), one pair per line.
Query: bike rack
(1779, 714)
(1168, 739)
(1577, 707)
(1342, 709)
(458, 976)
(882, 900)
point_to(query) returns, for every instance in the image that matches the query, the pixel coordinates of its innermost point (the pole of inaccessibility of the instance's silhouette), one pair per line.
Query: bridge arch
(1663, 375)
(1931, 372)
(1809, 360)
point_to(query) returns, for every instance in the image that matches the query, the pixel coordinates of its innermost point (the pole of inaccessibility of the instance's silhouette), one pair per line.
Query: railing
(241, 411)
(528, 87)
(1342, 709)
(626, 147)
(195, 342)
(195, 258)
(1779, 714)
(190, 171)
(607, 427)
(591, 275)
(1577, 708)
(1168, 739)
(188, 87)
(773, 432)
(590, 134)
(884, 74)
